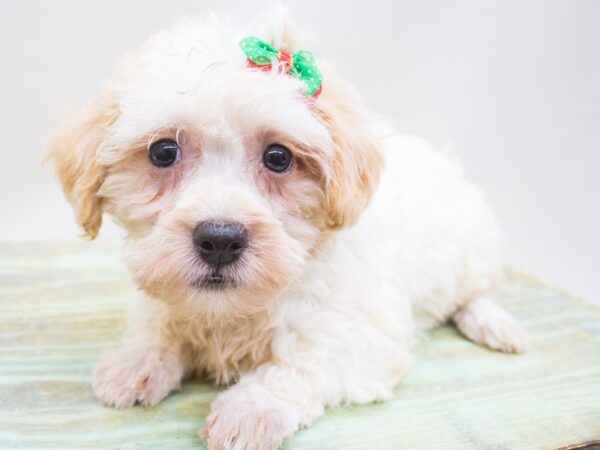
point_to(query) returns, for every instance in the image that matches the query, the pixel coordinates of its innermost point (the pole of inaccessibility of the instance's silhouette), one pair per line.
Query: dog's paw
(249, 418)
(487, 324)
(129, 375)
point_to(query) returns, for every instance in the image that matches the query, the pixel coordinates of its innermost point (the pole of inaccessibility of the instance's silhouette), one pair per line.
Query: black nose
(220, 244)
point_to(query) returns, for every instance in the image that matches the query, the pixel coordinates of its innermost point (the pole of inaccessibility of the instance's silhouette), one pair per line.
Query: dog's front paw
(249, 418)
(129, 375)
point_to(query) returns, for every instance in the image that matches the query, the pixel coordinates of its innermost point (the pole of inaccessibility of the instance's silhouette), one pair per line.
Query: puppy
(283, 240)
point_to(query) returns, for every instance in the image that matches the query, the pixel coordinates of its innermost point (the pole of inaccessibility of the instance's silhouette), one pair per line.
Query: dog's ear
(75, 155)
(357, 161)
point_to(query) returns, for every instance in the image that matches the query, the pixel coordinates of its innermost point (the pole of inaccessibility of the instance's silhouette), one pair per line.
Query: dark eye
(164, 153)
(277, 158)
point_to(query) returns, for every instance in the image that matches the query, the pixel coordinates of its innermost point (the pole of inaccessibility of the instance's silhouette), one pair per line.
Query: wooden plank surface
(62, 304)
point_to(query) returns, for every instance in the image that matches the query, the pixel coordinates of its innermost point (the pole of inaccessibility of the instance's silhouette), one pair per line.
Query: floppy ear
(357, 161)
(75, 155)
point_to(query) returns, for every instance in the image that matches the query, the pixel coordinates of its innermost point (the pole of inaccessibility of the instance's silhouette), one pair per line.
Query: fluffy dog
(287, 244)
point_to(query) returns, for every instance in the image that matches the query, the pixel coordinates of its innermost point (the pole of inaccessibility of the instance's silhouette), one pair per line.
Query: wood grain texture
(62, 304)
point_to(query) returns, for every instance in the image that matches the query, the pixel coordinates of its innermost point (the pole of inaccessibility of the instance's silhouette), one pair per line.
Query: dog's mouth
(214, 282)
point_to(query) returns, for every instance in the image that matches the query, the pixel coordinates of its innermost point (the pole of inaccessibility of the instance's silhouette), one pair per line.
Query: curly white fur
(331, 294)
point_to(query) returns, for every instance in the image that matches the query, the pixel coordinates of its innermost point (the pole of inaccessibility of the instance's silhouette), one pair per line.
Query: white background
(513, 85)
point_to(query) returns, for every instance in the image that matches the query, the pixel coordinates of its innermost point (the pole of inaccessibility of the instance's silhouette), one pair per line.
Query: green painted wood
(62, 304)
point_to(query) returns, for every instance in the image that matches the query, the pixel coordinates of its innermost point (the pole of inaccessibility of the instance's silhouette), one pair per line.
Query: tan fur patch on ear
(74, 152)
(358, 161)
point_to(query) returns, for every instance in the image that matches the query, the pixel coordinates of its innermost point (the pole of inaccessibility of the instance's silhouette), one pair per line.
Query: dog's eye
(164, 153)
(277, 158)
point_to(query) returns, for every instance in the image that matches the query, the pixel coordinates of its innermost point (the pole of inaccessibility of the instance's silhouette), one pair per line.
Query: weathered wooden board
(62, 304)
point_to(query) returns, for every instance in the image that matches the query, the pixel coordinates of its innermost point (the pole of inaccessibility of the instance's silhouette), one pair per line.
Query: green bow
(300, 65)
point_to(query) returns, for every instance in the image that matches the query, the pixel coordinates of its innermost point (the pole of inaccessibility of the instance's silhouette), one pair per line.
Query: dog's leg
(268, 405)
(249, 416)
(149, 365)
(142, 374)
(485, 323)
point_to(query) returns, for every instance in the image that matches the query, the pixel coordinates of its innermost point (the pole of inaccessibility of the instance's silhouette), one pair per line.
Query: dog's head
(226, 178)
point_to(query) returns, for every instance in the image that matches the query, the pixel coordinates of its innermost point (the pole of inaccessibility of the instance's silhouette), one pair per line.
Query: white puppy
(283, 241)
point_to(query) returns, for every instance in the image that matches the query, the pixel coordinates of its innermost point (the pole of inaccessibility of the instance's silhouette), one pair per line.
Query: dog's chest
(223, 353)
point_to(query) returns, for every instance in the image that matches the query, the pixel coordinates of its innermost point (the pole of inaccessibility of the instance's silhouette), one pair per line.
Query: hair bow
(301, 65)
